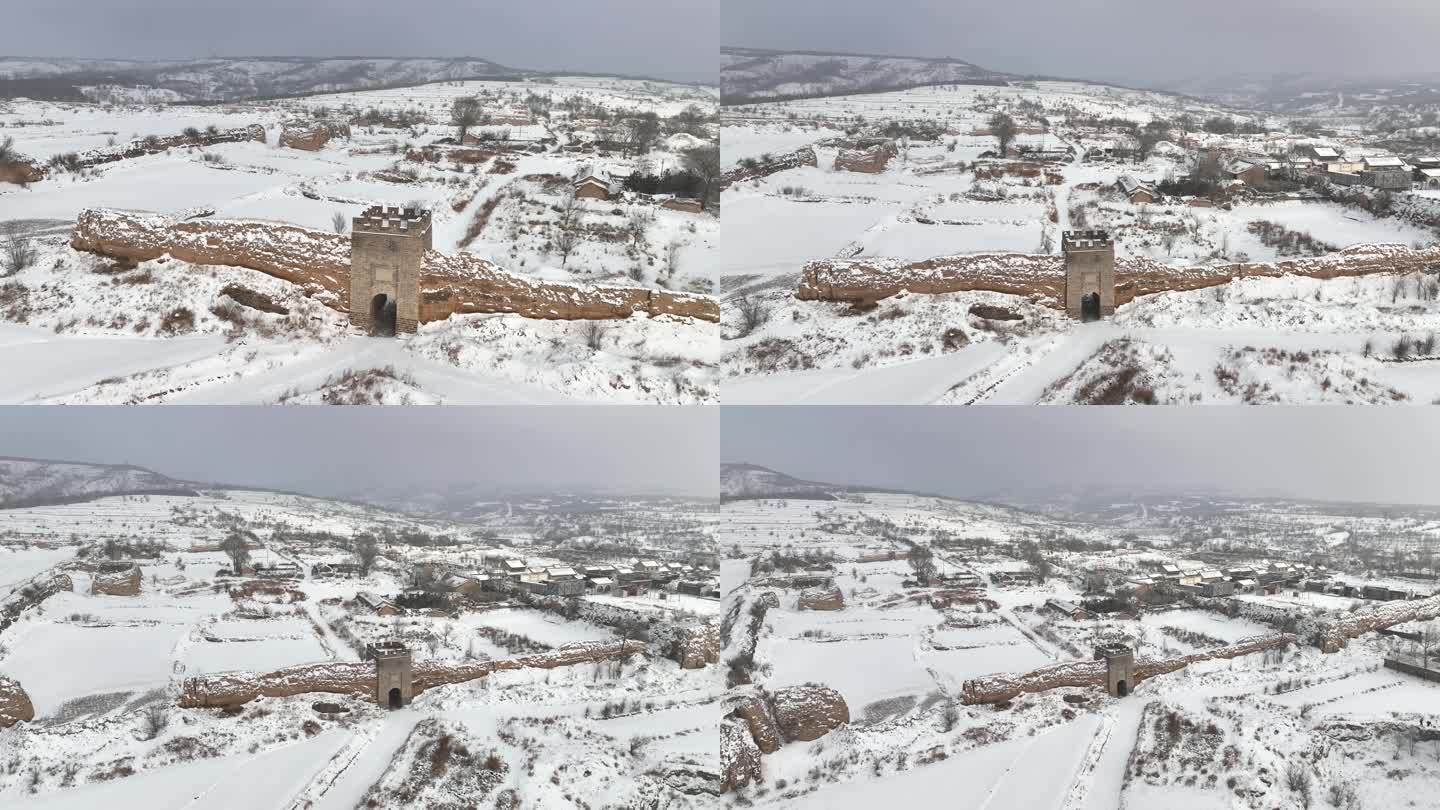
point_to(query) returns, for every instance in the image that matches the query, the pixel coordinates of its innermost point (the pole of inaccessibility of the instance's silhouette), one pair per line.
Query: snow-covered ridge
(740, 480)
(26, 482)
(748, 74)
(232, 79)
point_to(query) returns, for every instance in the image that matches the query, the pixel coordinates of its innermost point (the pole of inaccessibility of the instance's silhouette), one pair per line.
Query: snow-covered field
(97, 668)
(78, 330)
(1356, 337)
(899, 662)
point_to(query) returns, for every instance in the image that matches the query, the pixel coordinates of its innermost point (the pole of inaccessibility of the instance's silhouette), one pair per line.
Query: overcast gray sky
(334, 450)
(1140, 42)
(672, 39)
(1350, 453)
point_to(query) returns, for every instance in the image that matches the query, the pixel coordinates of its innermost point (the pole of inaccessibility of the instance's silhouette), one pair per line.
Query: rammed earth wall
(358, 679)
(1042, 278)
(449, 284)
(997, 688)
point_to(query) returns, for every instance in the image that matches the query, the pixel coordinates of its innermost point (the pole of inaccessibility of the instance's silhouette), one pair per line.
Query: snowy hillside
(33, 481)
(753, 481)
(742, 480)
(239, 78)
(748, 74)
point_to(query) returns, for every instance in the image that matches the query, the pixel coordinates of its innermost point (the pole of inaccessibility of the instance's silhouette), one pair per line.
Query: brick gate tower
(1119, 668)
(387, 254)
(394, 678)
(1089, 274)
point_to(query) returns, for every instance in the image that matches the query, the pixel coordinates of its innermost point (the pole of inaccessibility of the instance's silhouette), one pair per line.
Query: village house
(1385, 172)
(1140, 587)
(1216, 587)
(1015, 578)
(375, 604)
(1069, 610)
(593, 185)
(1251, 173)
(1135, 191)
(964, 580)
(563, 581)
(1318, 153)
(279, 570)
(325, 570)
(1046, 154)
(466, 583)
(604, 585)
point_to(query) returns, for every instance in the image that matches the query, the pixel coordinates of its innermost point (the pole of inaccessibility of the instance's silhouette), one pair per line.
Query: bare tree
(568, 227)
(922, 562)
(18, 251)
(1002, 126)
(672, 259)
(366, 549)
(753, 314)
(637, 222)
(1297, 778)
(704, 163)
(236, 547)
(154, 719)
(593, 333)
(339, 221)
(7, 151)
(465, 113)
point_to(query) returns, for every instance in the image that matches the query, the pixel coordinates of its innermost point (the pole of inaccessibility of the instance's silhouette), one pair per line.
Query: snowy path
(920, 381)
(42, 365)
(1195, 349)
(453, 385)
(54, 368)
(337, 650)
(1043, 646)
(1026, 774)
(1058, 754)
(269, 779)
(353, 770)
(995, 374)
(1101, 790)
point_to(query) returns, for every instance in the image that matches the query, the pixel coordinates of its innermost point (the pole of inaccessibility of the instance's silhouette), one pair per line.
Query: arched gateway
(1089, 274)
(387, 255)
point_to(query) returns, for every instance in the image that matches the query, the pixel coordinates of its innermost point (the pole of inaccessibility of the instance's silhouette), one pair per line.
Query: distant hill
(752, 75)
(36, 482)
(1310, 92)
(230, 78)
(743, 481)
(740, 481)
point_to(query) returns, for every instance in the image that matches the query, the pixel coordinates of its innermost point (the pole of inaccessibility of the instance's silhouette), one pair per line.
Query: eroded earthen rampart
(358, 679)
(1002, 687)
(1042, 278)
(451, 283)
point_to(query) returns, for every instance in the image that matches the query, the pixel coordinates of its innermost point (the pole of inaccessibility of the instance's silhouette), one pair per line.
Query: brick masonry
(387, 257)
(1089, 270)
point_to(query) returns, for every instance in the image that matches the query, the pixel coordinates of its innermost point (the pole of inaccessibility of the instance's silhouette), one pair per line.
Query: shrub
(177, 322)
